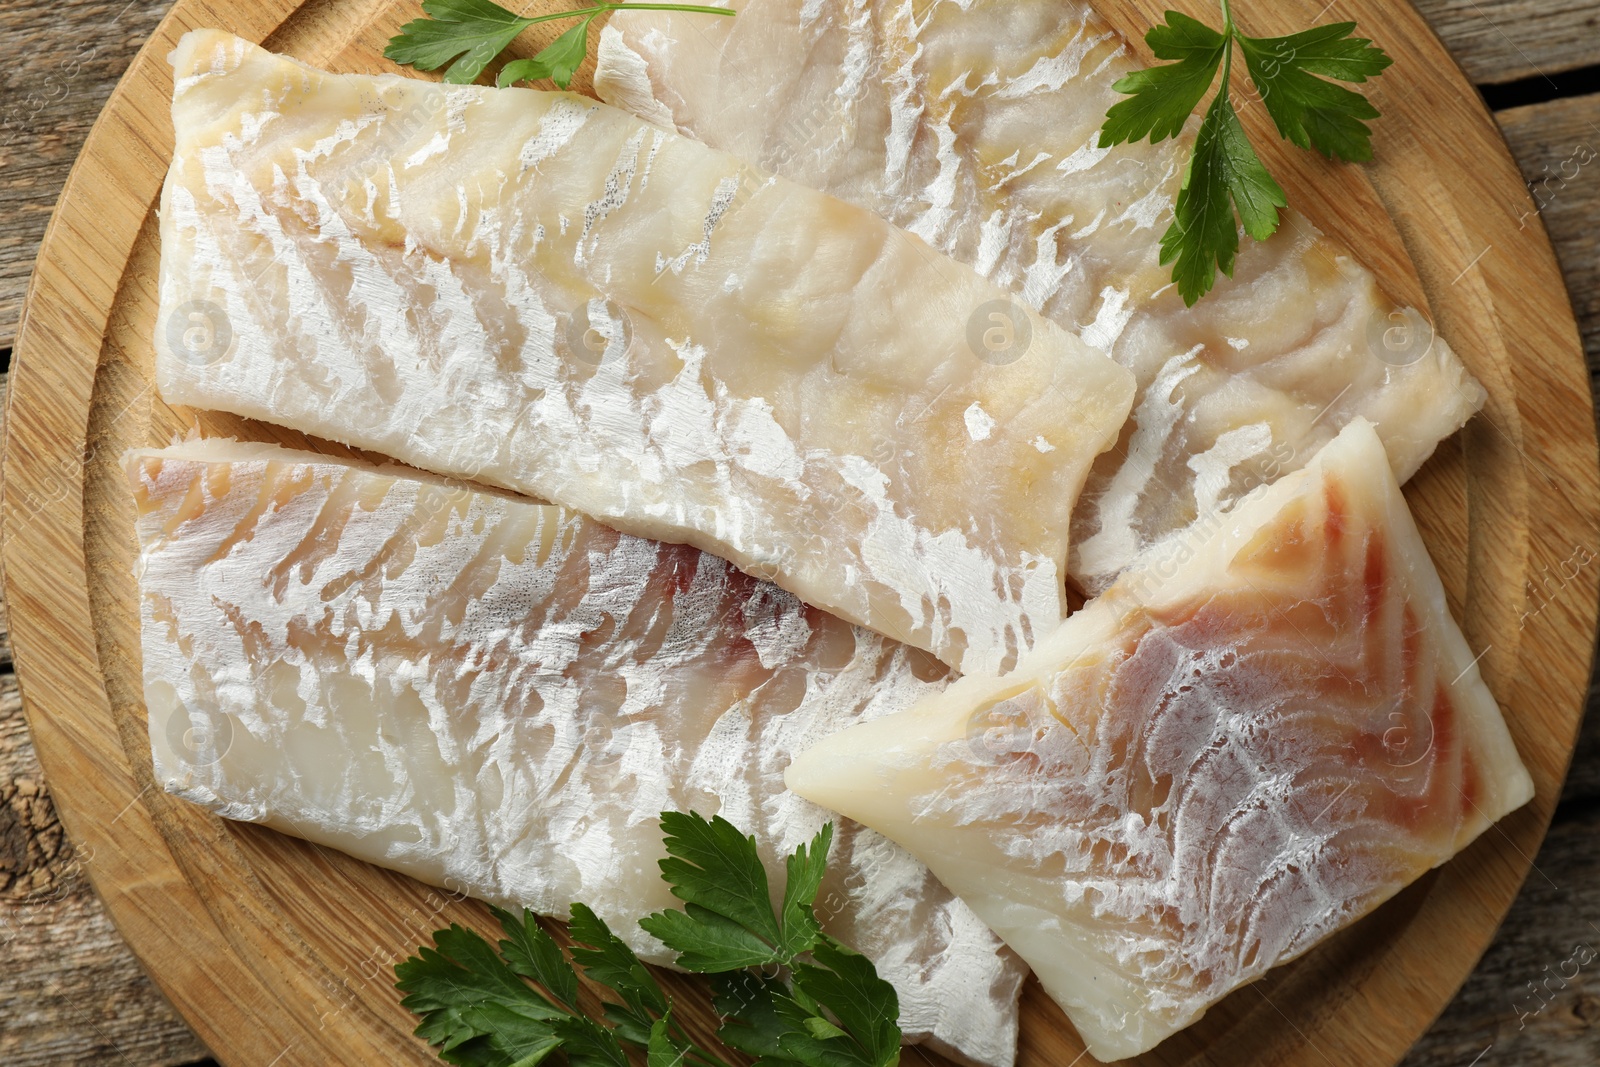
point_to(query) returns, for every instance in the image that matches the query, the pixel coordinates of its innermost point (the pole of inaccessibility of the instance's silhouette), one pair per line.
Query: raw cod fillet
(540, 292)
(974, 124)
(1242, 746)
(501, 697)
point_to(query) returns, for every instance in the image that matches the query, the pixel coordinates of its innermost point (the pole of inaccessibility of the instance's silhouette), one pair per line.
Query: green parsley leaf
(473, 32)
(728, 921)
(473, 1006)
(844, 1018)
(505, 1037)
(708, 943)
(660, 1048)
(1204, 237)
(478, 1007)
(805, 870)
(588, 1044)
(1162, 98)
(748, 1004)
(606, 959)
(1224, 173)
(558, 61)
(836, 1012)
(848, 986)
(822, 1028)
(1307, 110)
(533, 953)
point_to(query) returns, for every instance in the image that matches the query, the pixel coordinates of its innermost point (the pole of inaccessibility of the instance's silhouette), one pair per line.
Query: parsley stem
(694, 1052)
(1227, 68)
(697, 8)
(601, 9)
(1228, 32)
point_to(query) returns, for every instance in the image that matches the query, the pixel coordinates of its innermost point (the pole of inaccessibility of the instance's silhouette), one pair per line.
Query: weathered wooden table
(70, 992)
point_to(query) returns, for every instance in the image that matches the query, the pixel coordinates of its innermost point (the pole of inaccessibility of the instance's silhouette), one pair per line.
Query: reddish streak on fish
(1446, 726)
(1376, 576)
(1333, 526)
(1384, 686)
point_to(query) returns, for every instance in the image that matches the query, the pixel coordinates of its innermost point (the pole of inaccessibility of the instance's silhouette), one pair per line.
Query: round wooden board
(278, 952)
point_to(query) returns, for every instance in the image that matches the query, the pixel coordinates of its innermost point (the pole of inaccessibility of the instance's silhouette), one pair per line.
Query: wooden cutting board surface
(279, 952)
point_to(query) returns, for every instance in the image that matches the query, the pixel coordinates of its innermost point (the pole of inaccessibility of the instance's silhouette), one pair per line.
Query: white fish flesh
(1245, 744)
(974, 124)
(540, 292)
(500, 697)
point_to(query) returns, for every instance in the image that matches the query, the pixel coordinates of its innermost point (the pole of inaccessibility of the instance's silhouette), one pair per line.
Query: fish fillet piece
(500, 697)
(541, 292)
(974, 124)
(1242, 746)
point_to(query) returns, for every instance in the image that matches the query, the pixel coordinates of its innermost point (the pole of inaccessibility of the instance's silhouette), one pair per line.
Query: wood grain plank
(1391, 971)
(60, 63)
(1503, 40)
(70, 991)
(134, 868)
(1496, 1014)
(62, 60)
(1461, 24)
(1583, 781)
(1557, 146)
(1534, 1000)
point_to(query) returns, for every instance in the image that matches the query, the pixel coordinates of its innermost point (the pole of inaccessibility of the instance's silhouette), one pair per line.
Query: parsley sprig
(814, 1002)
(471, 33)
(1224, 172)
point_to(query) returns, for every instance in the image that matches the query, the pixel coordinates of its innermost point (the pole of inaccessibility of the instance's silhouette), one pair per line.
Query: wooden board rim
(59, 350)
